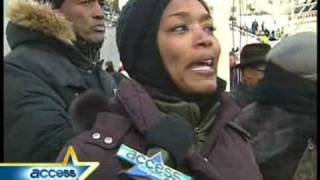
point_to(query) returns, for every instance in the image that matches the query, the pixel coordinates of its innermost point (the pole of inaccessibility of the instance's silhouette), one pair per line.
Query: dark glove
(170, 132)
(173, 134)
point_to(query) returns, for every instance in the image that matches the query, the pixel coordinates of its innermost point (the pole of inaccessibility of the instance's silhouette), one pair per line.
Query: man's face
(233, 60)
(87, 18)
(251, 77)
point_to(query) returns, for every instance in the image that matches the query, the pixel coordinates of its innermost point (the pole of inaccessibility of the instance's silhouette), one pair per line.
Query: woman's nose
(203, 38)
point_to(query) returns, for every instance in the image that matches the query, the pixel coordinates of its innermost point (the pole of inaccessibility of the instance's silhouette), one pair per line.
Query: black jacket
(43, 73)
(242, 95)
(279, 138)
(281, 121)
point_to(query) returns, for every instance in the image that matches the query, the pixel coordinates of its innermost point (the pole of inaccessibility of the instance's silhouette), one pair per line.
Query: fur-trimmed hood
(41, 17)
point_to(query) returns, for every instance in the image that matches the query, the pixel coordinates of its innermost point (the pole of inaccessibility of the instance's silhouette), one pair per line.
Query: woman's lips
(204, 67)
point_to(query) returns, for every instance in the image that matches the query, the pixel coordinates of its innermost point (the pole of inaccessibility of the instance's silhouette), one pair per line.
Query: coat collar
(228, 110)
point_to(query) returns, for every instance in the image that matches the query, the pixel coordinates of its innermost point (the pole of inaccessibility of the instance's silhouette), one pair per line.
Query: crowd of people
(170, 98)
(264, 34)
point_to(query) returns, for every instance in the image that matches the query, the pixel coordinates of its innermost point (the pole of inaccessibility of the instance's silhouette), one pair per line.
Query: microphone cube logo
(144, 167)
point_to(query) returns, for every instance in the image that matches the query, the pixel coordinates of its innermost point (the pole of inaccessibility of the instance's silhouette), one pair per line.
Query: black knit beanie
(137, 44)
(55, 3)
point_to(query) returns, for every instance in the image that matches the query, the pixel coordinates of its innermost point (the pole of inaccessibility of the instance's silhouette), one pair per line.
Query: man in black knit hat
(252, 66)
(55, 57)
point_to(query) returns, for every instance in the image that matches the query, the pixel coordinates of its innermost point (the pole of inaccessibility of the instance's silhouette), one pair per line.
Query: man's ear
(84, 109)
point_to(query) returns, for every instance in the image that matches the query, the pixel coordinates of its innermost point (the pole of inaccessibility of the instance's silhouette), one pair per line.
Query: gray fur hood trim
(41, 17)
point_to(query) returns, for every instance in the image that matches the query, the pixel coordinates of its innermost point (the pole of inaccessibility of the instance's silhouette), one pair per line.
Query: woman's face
(188, 48)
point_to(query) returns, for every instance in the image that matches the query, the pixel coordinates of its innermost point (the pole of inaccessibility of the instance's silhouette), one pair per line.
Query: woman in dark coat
(174, 103)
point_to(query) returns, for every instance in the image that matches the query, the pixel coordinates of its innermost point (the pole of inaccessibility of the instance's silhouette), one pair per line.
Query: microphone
(141, 167)
(171, 135)
(168, 142)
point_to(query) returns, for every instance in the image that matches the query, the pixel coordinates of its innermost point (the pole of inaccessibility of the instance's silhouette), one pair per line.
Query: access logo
(69, 169)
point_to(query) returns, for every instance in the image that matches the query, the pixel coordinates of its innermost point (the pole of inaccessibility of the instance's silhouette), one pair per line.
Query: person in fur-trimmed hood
(174, 102)
(55, 56)
(283, 120)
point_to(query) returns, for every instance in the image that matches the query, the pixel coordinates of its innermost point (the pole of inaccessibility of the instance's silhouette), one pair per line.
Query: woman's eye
(210, 29)
(180, 29)
(85, 1)
(102, 3)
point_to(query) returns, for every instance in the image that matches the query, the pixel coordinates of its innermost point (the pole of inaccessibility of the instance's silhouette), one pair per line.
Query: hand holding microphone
(169, 134)
(172, 136)
(168, 142)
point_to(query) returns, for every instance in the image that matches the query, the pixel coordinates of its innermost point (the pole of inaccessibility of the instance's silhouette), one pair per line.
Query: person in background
(109, 67)
(266, 32)
(273, 36)
(117, 75)
(283, 120)
(262, 26)
(174, 102)
(252, 66)
(234, 69)
(254, 27)
(55, 57)
(122, 70)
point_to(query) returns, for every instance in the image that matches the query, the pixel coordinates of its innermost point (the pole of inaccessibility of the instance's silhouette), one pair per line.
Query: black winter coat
(279, 138)
(281, 121)
(43, 73)
(242, 95)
